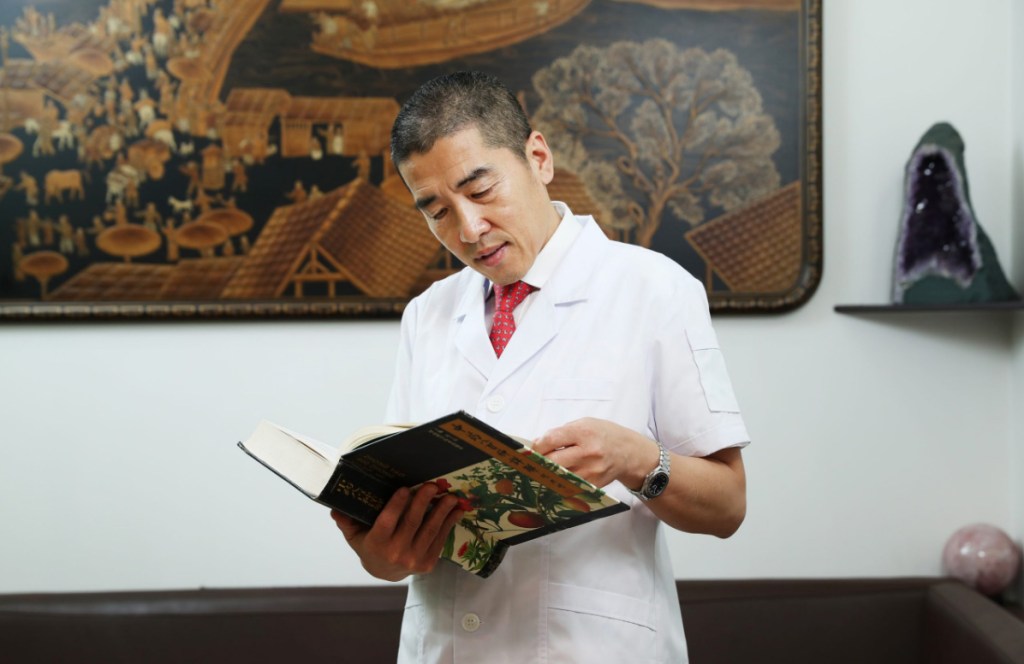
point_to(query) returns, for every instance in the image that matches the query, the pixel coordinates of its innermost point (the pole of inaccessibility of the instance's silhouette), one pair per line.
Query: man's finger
(352, 530)
(442, 535)
(387, 522)
(434, 523)
(555, 439)
(412, 517)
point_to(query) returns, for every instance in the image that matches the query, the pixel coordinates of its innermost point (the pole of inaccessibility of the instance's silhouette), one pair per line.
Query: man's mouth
(492, 257)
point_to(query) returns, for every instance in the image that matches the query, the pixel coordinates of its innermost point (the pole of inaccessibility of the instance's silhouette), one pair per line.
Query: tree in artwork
(683, 130)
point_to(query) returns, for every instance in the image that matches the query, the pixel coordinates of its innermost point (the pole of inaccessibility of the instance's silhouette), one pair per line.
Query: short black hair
(450, 103)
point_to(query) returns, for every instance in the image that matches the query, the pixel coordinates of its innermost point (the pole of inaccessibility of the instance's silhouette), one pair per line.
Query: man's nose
(472, 225)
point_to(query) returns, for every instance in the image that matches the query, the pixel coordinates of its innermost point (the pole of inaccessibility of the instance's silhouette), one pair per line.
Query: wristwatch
(656, 480)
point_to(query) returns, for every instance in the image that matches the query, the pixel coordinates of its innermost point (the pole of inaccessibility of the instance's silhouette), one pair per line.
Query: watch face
(657, 484)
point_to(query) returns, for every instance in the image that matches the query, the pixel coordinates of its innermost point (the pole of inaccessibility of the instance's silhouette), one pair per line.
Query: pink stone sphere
(983, 557)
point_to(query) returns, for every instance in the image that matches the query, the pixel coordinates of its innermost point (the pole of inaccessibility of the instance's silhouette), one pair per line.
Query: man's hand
(704, 494)
(600, 451)
(408, 535)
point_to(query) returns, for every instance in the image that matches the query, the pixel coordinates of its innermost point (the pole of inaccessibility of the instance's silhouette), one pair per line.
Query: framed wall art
(189, 159)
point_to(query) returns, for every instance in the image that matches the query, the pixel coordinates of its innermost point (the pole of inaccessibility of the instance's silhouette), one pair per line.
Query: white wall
(1017, 206)
(874, 437)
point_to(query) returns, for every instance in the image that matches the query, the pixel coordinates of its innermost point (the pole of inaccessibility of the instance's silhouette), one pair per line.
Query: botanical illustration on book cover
(500, 503)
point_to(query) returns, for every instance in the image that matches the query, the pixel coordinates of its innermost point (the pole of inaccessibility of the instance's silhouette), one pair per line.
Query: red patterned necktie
(507, 298)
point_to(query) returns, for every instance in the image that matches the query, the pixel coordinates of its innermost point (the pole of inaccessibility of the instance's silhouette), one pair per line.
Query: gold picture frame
(205, 159)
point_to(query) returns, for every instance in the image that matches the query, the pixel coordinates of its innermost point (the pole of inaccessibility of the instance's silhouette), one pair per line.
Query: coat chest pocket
(565, 400)
(579, 389)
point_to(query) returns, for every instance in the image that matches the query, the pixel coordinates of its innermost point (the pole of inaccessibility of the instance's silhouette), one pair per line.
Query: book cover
(509, 493)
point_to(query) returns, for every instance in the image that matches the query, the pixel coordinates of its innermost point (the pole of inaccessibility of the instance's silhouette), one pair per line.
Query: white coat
(619, 333)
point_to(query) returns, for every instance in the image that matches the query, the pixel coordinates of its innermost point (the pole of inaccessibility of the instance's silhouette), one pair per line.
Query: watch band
(656, 480)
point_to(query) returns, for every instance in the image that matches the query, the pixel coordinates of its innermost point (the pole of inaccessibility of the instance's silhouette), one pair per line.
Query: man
(612, 360)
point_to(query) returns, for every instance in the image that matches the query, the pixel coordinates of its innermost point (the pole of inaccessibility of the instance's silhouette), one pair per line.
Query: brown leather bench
(820, 621)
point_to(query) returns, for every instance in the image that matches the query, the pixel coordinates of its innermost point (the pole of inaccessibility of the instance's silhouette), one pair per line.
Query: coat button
(496, 403)
(470, 622)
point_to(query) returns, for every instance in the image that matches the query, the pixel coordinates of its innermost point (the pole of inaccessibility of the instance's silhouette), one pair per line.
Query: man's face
(488, 206)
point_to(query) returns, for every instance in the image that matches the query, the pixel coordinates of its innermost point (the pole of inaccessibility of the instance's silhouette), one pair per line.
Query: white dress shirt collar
(552, 253)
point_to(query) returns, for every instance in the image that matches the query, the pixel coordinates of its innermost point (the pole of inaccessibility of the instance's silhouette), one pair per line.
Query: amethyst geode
(942, 253)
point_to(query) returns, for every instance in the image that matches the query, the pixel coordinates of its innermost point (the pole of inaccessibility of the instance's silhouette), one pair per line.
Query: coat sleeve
(694, 410)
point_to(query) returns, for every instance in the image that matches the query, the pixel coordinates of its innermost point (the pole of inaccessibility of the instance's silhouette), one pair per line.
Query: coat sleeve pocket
(714, 379)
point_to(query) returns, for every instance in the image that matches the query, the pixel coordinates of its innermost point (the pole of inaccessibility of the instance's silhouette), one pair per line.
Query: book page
(368, 434)
(303, 461)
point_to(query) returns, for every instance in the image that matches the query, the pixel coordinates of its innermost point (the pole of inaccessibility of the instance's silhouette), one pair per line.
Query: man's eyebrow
(476, 174)
(423, 203)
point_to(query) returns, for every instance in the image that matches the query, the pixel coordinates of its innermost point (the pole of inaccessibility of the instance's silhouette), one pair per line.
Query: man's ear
(538, 154)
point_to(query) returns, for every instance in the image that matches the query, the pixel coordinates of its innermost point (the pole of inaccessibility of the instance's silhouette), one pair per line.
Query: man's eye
(482, 193)
(437, 216)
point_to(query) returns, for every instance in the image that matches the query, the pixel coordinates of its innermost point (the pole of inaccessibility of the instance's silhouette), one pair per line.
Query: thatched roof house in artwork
(354, 234)
(189, 279)
(756, 249)
(115, 282)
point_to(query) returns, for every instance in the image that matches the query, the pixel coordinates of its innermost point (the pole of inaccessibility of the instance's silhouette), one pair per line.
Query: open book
(510, 493)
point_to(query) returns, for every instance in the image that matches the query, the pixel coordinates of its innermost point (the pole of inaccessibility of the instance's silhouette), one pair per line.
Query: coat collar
(567, 287)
